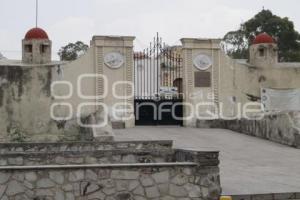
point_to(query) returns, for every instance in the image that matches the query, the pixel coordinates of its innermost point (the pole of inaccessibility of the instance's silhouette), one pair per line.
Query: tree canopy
(72, 51)
(236, 43)
(1, 56)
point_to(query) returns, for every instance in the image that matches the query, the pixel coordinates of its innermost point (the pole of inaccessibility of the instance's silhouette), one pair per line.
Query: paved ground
(248, 165)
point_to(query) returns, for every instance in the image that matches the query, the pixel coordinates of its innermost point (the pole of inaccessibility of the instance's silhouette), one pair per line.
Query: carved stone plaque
(114, 60)
(202, 79)
(202, 62)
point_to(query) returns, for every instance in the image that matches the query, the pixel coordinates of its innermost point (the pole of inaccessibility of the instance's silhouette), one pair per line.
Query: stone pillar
(114, 60)
(36, 51)
(200, 77)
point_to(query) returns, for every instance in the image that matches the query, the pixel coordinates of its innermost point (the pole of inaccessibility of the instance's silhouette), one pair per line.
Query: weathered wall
(232, 80)
(25, 100)
(238, 78)
(278, 128)
(26, 96)
(115, 173)
(250, 80)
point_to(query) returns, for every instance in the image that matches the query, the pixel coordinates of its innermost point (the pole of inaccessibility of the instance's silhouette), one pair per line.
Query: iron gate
(158, 84)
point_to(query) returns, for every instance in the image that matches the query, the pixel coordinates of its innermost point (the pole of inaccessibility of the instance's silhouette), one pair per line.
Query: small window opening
(261, 52)
(28, 48)
(44, 48)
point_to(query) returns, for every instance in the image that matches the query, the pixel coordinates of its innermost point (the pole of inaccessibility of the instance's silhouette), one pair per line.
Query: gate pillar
(114, 60)
(201, 66)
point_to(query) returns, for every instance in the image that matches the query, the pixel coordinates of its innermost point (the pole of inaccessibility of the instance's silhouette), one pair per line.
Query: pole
(36, 12)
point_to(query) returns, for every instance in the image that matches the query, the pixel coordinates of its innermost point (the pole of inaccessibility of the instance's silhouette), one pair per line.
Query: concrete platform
(249, 165)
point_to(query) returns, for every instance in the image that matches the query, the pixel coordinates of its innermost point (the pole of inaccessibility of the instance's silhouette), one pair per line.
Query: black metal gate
(158, 85)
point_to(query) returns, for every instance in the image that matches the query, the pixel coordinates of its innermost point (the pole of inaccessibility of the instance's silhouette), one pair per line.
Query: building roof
(263, 38)
(36, 33)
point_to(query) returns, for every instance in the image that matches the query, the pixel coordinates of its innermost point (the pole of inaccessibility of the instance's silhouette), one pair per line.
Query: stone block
(45, 183)
(124, 174)
(57, 177)
(4, 176)
(31, 176)
(2, 190)
(178, 191)
(75, 176)
(146, 181)
(15, 161)
(41, 193)
(161, 177)
(14, 187)
(152, 192)
(180, 179)
(90, 175)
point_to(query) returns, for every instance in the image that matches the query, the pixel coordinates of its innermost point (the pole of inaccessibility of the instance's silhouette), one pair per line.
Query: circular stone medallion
(114, 60)
(202, 62)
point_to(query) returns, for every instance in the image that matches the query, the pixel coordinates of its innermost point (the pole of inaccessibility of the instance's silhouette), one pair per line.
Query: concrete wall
(233, 81)
(25, 100)
(26, 97)
(250, 79)
(25, 106)
(238, 78)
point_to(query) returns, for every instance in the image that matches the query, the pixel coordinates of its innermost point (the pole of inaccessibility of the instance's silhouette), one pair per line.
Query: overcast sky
(72, 20)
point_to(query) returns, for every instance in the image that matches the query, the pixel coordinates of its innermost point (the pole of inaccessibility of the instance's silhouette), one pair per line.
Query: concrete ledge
(134, 165)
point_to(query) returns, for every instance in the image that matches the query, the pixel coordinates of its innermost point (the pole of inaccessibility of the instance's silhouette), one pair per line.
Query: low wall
(85, 146)
(123, 171)
(107, 182)
(275, 196)
(278, 128)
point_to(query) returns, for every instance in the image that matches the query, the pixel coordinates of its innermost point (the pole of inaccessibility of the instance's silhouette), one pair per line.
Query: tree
(236, 43)
(72, 51)
(1, 56)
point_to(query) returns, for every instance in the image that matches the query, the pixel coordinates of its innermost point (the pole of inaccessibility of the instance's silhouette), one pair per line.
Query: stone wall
(278, 128)
(85, 146)
(107, 183)
(26, 154)
(117, 171)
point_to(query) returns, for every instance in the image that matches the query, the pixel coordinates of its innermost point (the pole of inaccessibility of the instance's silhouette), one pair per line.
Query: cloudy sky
(72, 20)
